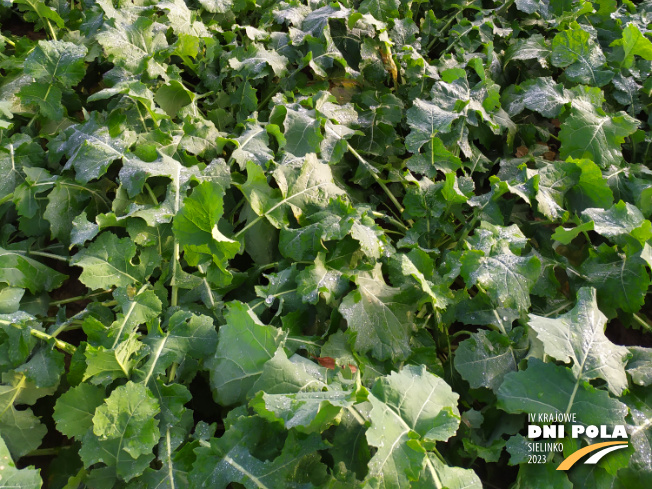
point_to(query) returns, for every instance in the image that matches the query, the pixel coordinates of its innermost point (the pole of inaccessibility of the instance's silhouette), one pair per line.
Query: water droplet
(269, 300)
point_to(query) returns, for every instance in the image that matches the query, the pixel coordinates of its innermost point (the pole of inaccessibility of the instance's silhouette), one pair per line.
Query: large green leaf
(294, 392)
(21, 430)
(91, 148)
(507, 278)
(124, 431)
(578, 336)
(57, 62)
(244, 346)
(621, 281)
(134, 46)
(196, 228)
(633, 43)
(108, 262)
(13, 478)
(486, 357)
(75, 409)
(186, 335)
(583, 60)
(589, 132)
(549, 389)
(229, 459)
(18, 270)
(407, 406)
(379, 317)
(621, 222)
(426, 120)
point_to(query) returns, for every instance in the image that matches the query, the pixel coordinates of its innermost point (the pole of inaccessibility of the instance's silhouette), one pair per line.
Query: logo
(553, 427)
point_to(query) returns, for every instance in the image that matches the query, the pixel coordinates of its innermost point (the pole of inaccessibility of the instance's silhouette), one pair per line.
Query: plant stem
(370, 168)
(54, 36)
(173, 372)
(61, 345)
(642, 322)
(391, 220)
(79, 298)
(174, 294)
(505, 7)
(49, 255)
(44, 452)
(559, 309)
(151, 194)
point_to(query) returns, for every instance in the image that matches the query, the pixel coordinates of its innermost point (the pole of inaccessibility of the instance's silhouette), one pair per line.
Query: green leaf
(620, 222)
(293, 391)
(541, 95)
(196, 228)
(91, 149)
(576, 51)
(124, 431)
(639, 367)
(507, 278)
(318, 281)
(426, 120)
(105, 365)
(252, 145)
(591, 133)
(44, 368)
(550, 389)
(18, 270)
(217, 6)
(173, 474)
(252, 63)
(309, 186)
(82, 230)
(57, 62)
(107, 262)
(407, 406)
(74, 410)
(622, 281)
(173, 96)
(528, 6)
(543, 476)
(244, 346)
(65, 202)
(633, 43)
(436, 472)
(435, 158)
(486, 357)
(134, 46)
(381, 9)
(380, 318)
(579, 336)
(13, 478)
(41, 10)
(229, 459)
(136, 308)
(302, 132)
(532, 47)
(10, 299)
(565, 236)
(21, 430)
(187, 335)
(46, 97)
(128, 415)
